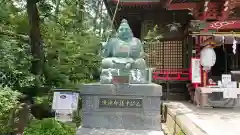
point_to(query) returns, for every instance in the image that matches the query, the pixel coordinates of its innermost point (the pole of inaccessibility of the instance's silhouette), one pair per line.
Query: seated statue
(123, 56)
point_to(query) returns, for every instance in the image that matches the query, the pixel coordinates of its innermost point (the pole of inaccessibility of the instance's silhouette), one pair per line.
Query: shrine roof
(157, 1)
(191, 1)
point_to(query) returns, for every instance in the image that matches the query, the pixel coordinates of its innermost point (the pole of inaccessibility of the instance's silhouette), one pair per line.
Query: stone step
(102, 131)
(175, 96)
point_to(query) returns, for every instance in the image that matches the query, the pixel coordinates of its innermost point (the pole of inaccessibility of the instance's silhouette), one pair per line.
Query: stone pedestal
(129, 108)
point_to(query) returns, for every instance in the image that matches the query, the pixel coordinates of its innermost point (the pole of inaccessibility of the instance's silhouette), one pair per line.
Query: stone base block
(123, 120)
(126, 106)
(102, 131)
(211, 99)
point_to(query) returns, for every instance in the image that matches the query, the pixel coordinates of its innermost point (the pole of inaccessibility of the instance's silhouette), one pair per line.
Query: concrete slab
(205, 121)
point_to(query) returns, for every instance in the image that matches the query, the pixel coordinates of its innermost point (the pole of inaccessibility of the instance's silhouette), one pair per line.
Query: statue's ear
(103, 45)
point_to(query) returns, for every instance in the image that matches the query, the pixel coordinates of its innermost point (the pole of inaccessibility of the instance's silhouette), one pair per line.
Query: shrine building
(175, 31)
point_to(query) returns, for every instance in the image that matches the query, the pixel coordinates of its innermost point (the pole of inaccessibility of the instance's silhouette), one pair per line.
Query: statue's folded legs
(139, 64)
(107, 63)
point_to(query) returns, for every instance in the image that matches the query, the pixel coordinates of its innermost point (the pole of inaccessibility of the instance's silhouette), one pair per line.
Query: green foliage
(77, 118)
(71, 56)
(14, 64)
(70, 49)
(70, 53)
(181, 133)
(8, 103)
(14, 57)
(48, 127)
(45, 100)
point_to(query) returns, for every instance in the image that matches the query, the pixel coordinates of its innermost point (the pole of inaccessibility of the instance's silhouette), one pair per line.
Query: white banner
(196, 70)
(63, 115)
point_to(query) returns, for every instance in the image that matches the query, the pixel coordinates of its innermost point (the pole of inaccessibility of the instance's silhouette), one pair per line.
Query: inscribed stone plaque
(120, 103)
(120, 79)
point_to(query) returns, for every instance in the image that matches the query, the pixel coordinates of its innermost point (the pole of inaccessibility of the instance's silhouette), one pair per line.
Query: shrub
(48, 126)
(8, 104)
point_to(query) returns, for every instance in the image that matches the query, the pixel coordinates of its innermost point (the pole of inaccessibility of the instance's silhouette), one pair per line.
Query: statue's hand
(103, 44)
(114, 61)
(123, 64)
(128, 66)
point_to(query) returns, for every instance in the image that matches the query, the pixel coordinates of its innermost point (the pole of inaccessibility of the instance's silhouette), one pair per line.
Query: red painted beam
(225, 10)
(167, 3)
(136, 3)
(210, 11)
(182, 6)
(189, 5)
(235, 2)
(223, 25)
(206, 8)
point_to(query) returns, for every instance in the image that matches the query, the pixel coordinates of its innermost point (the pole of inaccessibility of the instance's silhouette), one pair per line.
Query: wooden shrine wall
(146, 26)
(166, 54)
(167, 57)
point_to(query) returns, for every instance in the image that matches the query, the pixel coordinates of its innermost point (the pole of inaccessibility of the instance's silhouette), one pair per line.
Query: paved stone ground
(87, 131)
(211, 121)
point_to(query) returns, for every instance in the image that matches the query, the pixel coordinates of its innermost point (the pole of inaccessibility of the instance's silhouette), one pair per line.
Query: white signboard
(226, 79)
(232, 84)
(55, 96)
(63, 115)
(65, 101)
(75, 101)
(196, 70)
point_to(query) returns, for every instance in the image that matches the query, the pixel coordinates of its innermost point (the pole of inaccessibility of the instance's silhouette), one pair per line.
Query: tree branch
(14, 35)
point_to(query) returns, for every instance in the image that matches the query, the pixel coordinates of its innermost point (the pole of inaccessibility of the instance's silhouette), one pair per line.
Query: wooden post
(205, 78)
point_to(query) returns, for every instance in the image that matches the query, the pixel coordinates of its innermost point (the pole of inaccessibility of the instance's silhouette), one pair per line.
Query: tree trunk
(80, 13)
(23, 116)
(57, 9)
(35, 37)
(97, 15)
(37, 62)
(101, 20)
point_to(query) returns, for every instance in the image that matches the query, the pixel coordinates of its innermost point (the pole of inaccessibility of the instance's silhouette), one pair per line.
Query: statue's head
(124, 31)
